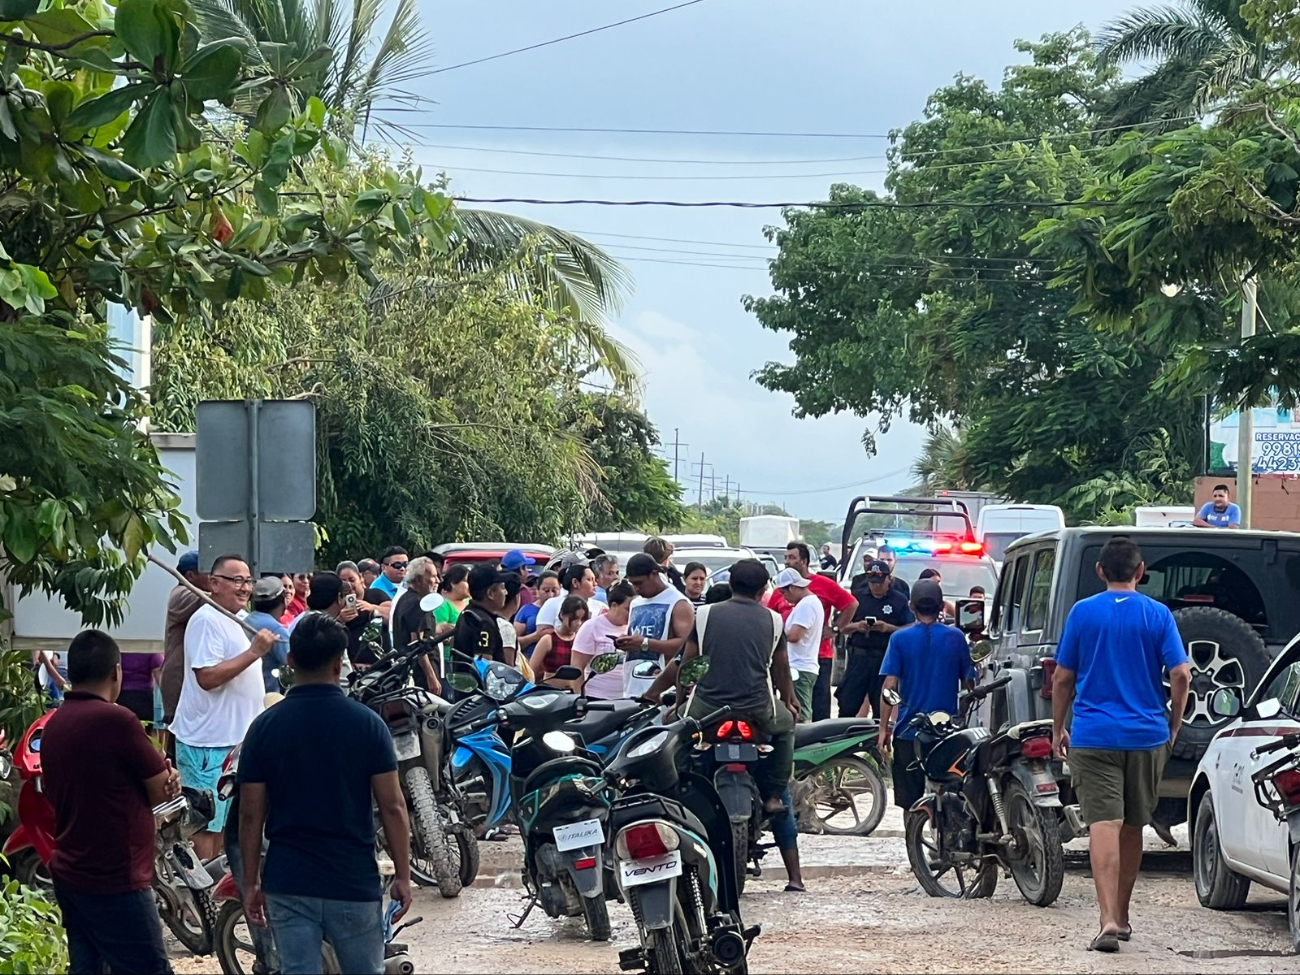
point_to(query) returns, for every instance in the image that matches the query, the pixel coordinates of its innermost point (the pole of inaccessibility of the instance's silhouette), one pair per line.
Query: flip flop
(1107, 942)
(1125, 935)
(792, 889)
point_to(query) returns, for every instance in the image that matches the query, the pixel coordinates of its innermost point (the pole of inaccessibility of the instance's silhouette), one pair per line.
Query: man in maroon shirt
(103, 776)
(834, 597)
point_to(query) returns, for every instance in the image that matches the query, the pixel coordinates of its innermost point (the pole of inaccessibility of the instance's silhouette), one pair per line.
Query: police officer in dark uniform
(882, 609)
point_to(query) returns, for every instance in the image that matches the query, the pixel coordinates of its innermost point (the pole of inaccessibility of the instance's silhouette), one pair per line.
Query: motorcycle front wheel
(235, 949)
(939, 876)
(1039, 866)
(846, 796)
(194, 925)
(433, 863)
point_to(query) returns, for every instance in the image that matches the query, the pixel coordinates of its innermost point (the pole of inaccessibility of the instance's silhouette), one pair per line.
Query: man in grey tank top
(746, 647)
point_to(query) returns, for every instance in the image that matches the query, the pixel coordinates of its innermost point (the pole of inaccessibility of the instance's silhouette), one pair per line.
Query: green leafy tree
(945, 315)
(941, 465)
(118, 192)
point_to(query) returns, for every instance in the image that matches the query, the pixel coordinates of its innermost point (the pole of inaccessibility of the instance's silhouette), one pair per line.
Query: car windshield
(958, 575)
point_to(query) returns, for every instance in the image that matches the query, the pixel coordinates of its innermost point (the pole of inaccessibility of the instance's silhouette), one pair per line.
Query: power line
(814, 205)
(567, 37)
(729, 176)
(645, 159)
(918, 261)
(839, 487)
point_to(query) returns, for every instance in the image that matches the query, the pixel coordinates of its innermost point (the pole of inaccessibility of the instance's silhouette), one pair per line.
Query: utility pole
(726, 491)
(677, 445)
(713, 485)
(1246, 428)
(702, 465)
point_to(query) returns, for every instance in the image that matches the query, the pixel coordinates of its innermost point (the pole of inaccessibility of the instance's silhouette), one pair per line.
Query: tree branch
(19, 41)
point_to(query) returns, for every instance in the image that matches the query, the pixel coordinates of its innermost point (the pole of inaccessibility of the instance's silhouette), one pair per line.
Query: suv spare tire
(1225, 651)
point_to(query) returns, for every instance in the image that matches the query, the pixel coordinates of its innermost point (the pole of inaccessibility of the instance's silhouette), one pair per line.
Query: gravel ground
(864, 913)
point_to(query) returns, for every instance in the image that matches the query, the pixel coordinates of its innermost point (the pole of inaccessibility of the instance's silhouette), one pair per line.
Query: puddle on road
(1206, 953)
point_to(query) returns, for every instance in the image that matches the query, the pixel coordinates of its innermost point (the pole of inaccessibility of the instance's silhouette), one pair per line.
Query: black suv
(1234, 594)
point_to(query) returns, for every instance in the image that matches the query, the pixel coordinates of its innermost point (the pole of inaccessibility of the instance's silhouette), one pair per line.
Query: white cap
(789, 577)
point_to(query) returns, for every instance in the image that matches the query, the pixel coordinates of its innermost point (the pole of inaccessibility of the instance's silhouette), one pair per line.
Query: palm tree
(941, 465)
(1201, 49)
(360, 82)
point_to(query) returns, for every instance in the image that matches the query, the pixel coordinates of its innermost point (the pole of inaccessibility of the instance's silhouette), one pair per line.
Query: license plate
(638, 872)
(736, 753)
(577, 835)
(407, 747)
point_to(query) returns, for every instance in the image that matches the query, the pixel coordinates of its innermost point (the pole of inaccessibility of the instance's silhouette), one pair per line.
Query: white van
(1001, 524)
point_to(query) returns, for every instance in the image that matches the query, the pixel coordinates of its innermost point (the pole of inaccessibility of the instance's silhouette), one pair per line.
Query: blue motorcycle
(480, 762)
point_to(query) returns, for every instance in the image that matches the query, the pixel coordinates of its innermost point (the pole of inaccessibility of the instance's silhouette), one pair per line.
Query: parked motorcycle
(182, 883)
(669, 831)
(991, 801)
(29, 847)
(1277, 789)
(443, 845)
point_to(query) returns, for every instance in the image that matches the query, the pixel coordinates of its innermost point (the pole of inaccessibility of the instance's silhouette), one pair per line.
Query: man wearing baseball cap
(927, 664)
(516, 561)
(181, 605)
(803, 634)
(882, 609)
(269, 600)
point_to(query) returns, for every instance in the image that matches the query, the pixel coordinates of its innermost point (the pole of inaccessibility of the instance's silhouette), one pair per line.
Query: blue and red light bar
(937, 546)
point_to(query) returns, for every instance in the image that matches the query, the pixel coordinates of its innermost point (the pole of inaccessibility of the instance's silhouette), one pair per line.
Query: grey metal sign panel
(285, 546)
(272, 441)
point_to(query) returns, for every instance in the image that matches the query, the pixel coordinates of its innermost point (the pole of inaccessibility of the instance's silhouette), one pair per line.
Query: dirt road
(864, 913)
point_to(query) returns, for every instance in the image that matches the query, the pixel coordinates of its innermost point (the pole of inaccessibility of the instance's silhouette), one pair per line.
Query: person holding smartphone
(597, 636)
(882, 609)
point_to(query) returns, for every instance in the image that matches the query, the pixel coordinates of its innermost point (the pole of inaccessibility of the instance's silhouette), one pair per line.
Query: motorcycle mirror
(558, 741)
(431, 601)
(1225, 704)
(981, 651)
(464, 683)
(605, 662)
(693, 672)
(647, 669)
(970, 615)
(891, 697)
(568, 673)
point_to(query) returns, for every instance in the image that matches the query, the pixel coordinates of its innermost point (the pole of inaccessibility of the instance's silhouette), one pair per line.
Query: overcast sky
(828, 66)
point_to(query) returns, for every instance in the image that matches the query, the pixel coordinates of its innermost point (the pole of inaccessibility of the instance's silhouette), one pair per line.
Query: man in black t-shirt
(410, 620)
(882, 609)
(478, 634)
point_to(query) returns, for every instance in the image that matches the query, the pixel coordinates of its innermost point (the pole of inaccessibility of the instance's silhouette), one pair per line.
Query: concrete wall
(41, 623)
(1275, 499)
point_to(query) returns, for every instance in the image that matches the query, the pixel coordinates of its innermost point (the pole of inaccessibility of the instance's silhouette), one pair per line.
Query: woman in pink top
(597, 637)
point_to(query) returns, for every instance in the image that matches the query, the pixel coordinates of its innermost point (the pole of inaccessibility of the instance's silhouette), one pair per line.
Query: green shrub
(31, 936)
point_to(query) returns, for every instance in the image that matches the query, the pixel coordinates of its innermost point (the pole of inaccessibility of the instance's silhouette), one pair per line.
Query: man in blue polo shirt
(1220, 512)
(307, 772)
(927, 663)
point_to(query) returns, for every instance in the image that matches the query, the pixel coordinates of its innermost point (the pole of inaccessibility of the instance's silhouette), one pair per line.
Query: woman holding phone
(597, 636)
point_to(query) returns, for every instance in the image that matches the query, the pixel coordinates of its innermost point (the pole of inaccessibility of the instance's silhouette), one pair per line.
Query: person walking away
(882, 609)
(517, 562)
(746, 647)
(835, 600)
(321, 880)
(393, 565)
(103, 777)
(695, 578)
(548, 588)
(928, 664)
(222, 693)
(1219, 512)
(829, 562)
(1110, 665)
(803, 635)
(269, 601)
(454, 589)
(598, 636)
(658, 624)
(182, 603)
(139, 676)
(606, 569)
(555, 649)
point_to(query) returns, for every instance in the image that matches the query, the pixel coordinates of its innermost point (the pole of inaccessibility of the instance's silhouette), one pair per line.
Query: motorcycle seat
(832, 728)
(595, 725)
(1018, 731)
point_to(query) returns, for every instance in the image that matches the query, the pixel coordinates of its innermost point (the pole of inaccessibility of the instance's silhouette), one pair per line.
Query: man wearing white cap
(803, 634)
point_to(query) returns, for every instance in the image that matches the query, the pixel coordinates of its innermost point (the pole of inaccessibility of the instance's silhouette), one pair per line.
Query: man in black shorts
(882, 609)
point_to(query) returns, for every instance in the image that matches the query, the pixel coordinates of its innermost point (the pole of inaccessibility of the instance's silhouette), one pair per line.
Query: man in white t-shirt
(222, 690)
(577, 580)
(660, 621)
(803, 634)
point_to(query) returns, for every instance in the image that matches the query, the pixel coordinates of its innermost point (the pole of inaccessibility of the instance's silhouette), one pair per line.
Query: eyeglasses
(395, 565)
(239, 582)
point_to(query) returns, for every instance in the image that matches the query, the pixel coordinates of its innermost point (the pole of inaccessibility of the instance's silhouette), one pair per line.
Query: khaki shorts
(1117, 785)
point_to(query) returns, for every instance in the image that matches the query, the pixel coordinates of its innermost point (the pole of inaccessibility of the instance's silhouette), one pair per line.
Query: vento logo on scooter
(636, 872)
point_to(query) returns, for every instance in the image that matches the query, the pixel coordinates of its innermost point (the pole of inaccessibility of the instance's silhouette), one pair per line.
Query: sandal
(1126, 934)
(795, 889)
(1106, 941)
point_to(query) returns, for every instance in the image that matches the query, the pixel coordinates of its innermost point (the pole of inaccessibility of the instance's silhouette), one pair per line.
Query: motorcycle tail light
(584, 863)
(1288, 786)
(1049, 672)
(744, 730)
(645, 841)
(724, 729)
(1036, 748)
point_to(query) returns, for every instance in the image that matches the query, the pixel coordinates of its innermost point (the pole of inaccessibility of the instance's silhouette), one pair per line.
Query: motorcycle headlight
(649, 746)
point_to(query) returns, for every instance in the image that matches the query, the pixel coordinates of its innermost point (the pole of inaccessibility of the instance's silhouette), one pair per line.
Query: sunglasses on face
(395, 565)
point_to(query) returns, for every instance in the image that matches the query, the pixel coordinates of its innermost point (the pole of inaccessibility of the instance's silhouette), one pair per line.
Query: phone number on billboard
(1277, 452)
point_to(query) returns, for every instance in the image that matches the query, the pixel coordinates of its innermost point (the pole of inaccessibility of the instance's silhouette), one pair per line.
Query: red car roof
(493, 555)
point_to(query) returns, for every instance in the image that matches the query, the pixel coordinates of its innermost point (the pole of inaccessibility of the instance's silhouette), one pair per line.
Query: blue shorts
(200, 768)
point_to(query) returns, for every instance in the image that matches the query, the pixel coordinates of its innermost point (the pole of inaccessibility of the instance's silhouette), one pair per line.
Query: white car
(1235, 839)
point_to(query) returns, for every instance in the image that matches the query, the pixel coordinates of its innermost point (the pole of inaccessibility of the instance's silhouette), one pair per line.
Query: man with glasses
(393, 563)
(222, 692)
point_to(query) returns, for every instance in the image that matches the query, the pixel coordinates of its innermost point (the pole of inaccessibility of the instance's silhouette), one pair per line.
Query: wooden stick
(171, 571)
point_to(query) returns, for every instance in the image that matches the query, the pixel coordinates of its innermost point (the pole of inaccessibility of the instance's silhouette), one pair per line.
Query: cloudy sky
(823, 66)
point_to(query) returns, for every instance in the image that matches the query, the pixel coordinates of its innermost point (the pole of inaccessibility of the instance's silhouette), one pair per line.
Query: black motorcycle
(444, 849)
(991, 801)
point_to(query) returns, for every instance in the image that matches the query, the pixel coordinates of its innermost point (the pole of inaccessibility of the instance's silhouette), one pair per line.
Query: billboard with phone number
(1275, 447)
